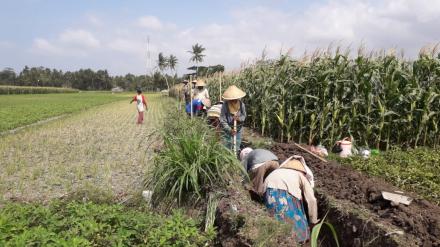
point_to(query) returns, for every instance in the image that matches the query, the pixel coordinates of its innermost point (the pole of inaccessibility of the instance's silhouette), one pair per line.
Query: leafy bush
(414, 169)
(191, 162)
(90, 224)
(34, 90)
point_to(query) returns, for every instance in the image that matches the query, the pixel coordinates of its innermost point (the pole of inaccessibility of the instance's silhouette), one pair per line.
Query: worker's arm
(134, 99)
(207, 94)
(242, 116)
(144, 101)
(223, 120)
(309, 197)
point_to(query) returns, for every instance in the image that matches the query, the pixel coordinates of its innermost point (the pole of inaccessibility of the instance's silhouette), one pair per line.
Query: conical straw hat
(294, 164)
(200, 83)
(233, 92)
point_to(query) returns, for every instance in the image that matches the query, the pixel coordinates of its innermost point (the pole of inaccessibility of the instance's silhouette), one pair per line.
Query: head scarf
(245, 152)
(234, 107)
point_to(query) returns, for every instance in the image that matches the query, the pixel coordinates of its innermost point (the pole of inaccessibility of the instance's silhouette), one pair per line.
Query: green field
(20, 110)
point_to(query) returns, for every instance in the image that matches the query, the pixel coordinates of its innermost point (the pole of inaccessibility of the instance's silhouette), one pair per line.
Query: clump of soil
(420, 219)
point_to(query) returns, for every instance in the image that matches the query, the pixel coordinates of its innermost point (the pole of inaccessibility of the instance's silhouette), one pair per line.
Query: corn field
(379, 99)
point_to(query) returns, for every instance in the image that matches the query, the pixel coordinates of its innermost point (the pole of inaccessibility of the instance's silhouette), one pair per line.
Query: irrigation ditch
(353, 204)
(358, 212)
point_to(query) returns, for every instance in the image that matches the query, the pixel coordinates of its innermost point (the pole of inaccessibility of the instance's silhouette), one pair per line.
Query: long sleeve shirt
(258, 156)
(227, 119)
(201, 94)
(296, 184)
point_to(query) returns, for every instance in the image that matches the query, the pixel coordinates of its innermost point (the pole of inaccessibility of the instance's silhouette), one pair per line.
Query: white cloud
(43, 45)
(6, 44)
(407, 24)
(79, 38)
(150, 22)
(94, 20)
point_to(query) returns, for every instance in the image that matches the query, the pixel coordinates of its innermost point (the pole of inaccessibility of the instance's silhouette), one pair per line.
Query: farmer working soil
(140, 103)
(259, 163)
(232, 117)
(286, 189)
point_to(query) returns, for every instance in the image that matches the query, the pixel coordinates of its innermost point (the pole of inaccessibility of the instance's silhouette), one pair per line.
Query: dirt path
(100, 148)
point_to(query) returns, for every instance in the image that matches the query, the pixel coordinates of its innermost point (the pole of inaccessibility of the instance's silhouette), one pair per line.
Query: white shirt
(139, 104)
(201, 94)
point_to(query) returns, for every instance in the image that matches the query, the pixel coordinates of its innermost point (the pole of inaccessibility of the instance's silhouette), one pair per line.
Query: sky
(112, 34)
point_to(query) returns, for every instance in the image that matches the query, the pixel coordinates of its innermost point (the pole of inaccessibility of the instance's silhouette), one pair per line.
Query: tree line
(83, 79)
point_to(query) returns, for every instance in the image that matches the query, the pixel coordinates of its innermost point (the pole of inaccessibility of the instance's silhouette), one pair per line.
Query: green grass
(191, 162)
(6, 89)
(415, 170)
(90, 224)
(20, 110)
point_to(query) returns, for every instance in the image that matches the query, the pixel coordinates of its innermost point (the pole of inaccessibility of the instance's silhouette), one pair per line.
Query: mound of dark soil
(420, 219)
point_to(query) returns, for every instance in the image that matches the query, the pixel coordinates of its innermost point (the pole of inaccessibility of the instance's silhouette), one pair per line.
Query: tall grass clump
(191, 162)
(379, 98)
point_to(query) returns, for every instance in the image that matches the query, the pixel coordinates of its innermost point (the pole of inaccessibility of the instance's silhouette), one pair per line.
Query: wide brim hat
(215, 111)
(185, 81)
(194, 82)
(200, 83)
(233, 92)
(294, 164)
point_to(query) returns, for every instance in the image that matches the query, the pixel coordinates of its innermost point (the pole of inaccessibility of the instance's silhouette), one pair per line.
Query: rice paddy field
(99, 147)
(20, 110)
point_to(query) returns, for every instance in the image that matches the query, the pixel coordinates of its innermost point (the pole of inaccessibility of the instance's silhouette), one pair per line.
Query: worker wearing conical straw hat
(185, 92)
(232, 117)
(201, 93)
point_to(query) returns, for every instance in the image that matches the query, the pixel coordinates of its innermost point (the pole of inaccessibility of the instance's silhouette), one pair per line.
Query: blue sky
(99, 34)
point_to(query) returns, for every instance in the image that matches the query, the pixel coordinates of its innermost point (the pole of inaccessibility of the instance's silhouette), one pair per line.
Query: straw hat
(194, 82)
(294, 164)
(233, 92)
(215, 111)
(185, 81)
(200, 83)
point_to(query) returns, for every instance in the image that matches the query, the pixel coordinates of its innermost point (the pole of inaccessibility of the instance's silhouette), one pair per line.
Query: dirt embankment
(420, 221)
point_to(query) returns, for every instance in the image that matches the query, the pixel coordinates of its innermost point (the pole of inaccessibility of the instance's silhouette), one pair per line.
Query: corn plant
(379, 99)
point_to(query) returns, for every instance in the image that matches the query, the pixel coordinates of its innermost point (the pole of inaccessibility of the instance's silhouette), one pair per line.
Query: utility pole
(148, 54)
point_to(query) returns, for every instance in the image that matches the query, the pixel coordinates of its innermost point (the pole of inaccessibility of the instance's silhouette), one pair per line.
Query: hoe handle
(235, 136)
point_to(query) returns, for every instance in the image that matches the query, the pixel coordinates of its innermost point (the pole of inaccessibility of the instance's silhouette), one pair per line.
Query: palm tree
(172, 63)
(162, 63)
(197, 55)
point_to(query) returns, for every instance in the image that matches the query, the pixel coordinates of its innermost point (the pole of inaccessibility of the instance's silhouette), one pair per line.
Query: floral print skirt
(290, 210)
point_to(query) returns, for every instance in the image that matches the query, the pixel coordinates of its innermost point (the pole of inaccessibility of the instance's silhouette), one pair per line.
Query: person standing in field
(232, 117)
(141, 105)
(201, 93)
(286, 189)
(185, 92)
